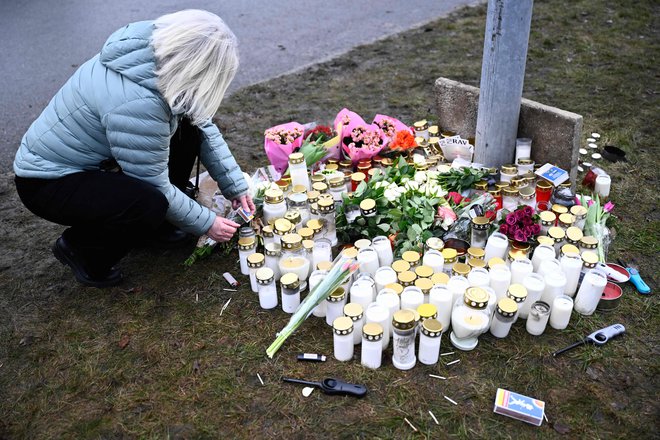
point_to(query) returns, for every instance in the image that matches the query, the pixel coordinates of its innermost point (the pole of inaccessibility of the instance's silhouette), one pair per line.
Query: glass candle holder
(523, 148)
(538, 318)
(479, 234)
(543, 191)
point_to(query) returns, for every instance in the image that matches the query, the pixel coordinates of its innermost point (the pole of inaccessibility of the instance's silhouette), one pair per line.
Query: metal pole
(502, 76)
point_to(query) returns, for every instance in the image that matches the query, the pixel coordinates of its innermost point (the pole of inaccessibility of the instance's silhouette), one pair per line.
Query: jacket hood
(128, 51)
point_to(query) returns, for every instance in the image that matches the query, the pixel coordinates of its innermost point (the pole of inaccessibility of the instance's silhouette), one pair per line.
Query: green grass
(188, 372)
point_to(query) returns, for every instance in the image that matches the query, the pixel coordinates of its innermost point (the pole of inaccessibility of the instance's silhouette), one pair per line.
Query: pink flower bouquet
(521, 225)
(358, 139)
(390, 127)
(280, 141)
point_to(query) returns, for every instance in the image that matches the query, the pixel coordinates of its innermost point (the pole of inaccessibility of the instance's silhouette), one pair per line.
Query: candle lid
(267, 231)
(495, 192)
(432, 327)
(543, 184)
(246, 243)
(315, 225)
(256, 260)
(321, 187)
(559, 209)
(332, 166)
(326, 205)
(308, 244)
(337, 295)
(481, 185)
(525, 161)
(475, 252)
(434, 130)
(368, 206)
(421, 125)
(425, 284)
(449, 254)
(517, 254)
(274, 196)
(527, 192)
(306, 233)
(556, 233)
(569, 249)
(290, 281)
(509, 191)
(353, 311)
(317, 178)
(372, 331)
(435, 243)
(578, 211)
(297, 189)
(476, 297)
(440, 278)
(273, 249)
(509, 169)
(480, 223)
(544, 239)
(517, 292)
(313, 196)
(476, 262)
(589, 257)
(566, 219)
(427, 311)
(589, 242)
(358, 177)
(411, 257)
(460, 269)
(265, 275)
(362, 243)
(494, 262)
(291, 241)
(350, 252)
(400, 266)
(343, 325)
(507, 307)
(424, 271)
(406, 277)
(324, 265)
(282, 226)
(574, 234)
(396, 287)
(403, 319)
(501, 185)
(293, 215)
(548, 217)
(337, 182)
(295, 158)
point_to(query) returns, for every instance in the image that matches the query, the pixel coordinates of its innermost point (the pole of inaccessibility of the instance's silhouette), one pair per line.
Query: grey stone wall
(555, 133)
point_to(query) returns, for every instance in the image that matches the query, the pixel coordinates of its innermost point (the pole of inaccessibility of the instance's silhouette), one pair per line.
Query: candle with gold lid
(422, 129)
(400, 266)
(246, 247)
(407, 278)
(267, 234)
(396, 287)
(267, 289)
(548, 220)
(427, 311)
(450, 256)
(320, 187)
(423, 271)
(469, 319)
(492, 262)
(566, 220)
(356, 179)
(293, 215)
(476, 263)
(580, 213)
(558, 235)
(507, 172)
(284, 185)
(510, 198)
(559, 209)
(440, 278)
(281, 227)
(255, 262)
(294, 259)
(290, 292)
(425, 285)
(476, 253)
(403, 350)
(588, 243)
(343, 338)
(461, 269)
(479, 236)
(356, 313)
(573, 236)
(274, 205)
(372, 347)
(368, 207)
(411, 257)
(503, 318)
(335, 305)
(327, 215)
(318, 178)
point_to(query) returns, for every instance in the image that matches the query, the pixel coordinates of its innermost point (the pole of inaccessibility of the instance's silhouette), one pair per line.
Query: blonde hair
(196, 59)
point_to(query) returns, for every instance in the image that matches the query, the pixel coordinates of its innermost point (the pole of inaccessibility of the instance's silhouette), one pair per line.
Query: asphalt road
(44, 41)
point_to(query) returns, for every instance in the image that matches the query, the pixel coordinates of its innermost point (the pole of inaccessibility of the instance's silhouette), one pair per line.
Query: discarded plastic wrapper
(552, 174)
(230, 279)
(454, 147)
(519, 407)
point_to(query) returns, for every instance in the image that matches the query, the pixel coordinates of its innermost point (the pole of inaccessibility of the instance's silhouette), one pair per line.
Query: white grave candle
(549, 266)
(500, 279)
(571, 265)
(383, 247)
(384, 275)
(602, 185)
(560, 315)
(412, 297)
(441, 297)
(368, 259)
(541, 253)
(590, 291)
(457, 285)
(380, 315)
(433, 259)
(496, 246)
(555, 282)
(362, 293)
(535, 285)
(478, 277)
(389, 299)
(538, 318)
(520, 268)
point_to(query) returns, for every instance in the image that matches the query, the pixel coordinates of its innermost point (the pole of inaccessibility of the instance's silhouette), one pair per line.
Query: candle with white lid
(555, 283)
(380, 315)
(542, 253)
(434, 260)
(520, 268)
(383, 247)
(361, 293)
(560, 314)
(457, 285)
(389, 299)
(571, 265)
(549, 266)
(590, 291)
(384, 275)
(441, 297)
(368, 259)
(500, 279)
(535, 285)
(478, 277)
(412, 297)
(496, 246)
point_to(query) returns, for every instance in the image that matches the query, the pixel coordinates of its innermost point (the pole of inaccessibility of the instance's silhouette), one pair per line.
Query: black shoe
(67, 256)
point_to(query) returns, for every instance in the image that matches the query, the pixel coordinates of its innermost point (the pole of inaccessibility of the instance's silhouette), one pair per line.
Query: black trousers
(108, 213)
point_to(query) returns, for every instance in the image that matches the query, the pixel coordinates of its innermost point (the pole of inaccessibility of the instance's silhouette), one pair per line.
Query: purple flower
(513, 228)
(511, 219)
(520, 236)
(536, 228)
(528, 211)
(504, 228)
(609, 206)
(527, 221)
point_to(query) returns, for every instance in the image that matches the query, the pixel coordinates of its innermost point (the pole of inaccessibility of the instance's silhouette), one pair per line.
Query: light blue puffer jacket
(111, 108)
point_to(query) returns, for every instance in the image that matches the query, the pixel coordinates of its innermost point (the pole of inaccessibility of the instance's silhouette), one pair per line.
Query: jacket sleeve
(139, 136)
(220, 163)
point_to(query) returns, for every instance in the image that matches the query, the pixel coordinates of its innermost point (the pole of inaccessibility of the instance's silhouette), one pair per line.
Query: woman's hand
(245, 202)
(222, 229)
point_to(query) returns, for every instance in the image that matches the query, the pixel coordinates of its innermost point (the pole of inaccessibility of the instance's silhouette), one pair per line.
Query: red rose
(454, 197)
(490, 215)
(504, 228)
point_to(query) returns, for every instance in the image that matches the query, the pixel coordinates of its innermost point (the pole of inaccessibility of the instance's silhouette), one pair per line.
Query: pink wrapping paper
(345, 124)
(278, 154)
(389, 126)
